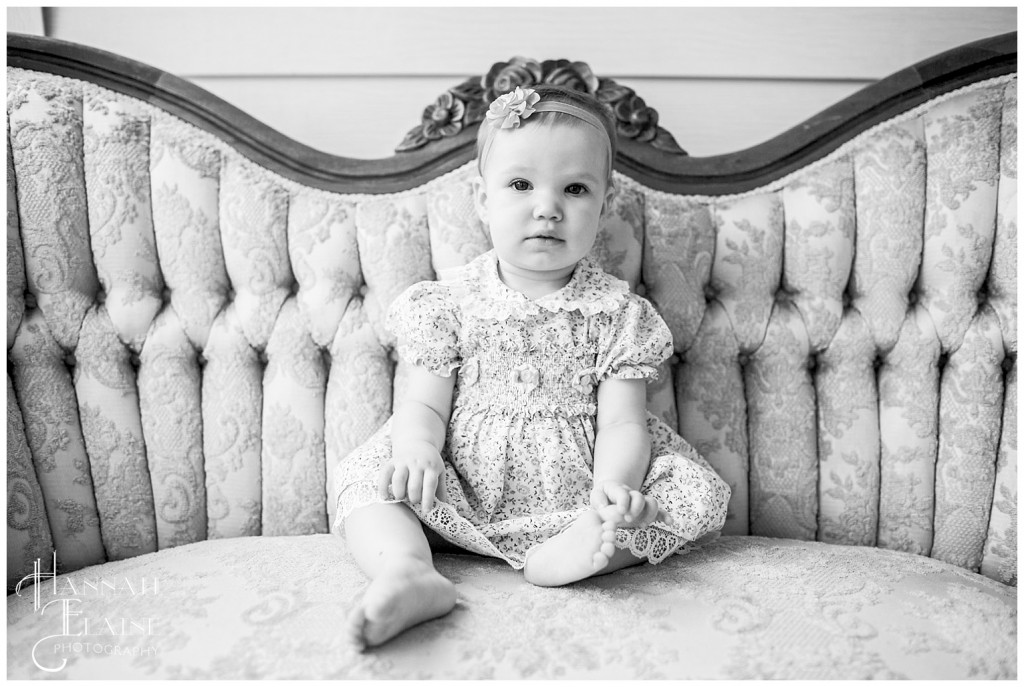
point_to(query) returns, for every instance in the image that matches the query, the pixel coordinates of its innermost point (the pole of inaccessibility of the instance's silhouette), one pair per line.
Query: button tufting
(30, 301)
(101, 297)
(913, 298)
(70, 360)
(165, 295)
(134, 360)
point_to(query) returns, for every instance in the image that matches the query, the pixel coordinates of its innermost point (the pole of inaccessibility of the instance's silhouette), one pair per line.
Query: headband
(508, 111)
(570, 109)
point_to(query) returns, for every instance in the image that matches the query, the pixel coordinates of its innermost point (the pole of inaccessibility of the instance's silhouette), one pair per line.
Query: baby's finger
(384, 481)
(598, 499)
(637, 503)
(399, 481)
(439, 491)
(429, 489)
(619, 495)
(651, 511)
(414, 485)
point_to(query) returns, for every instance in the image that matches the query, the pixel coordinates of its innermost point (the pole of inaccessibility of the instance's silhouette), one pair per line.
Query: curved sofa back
(195, 339)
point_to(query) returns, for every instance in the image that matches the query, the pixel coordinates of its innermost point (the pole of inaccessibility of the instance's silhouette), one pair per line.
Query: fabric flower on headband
(507, 110)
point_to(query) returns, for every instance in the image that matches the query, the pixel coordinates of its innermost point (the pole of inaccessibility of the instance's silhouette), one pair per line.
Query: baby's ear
(480, 198)
(609, 198)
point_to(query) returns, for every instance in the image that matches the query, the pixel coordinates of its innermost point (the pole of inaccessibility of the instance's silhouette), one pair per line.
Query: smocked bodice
(514, 354)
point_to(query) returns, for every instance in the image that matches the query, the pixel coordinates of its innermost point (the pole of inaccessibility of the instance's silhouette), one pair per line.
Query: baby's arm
(622, 450)
(418, 431)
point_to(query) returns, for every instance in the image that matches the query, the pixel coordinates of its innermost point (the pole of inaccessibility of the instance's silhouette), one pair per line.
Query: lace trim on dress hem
(649, 543)
(656, 544)
(444, 520)
(356, 495)
(440, 520)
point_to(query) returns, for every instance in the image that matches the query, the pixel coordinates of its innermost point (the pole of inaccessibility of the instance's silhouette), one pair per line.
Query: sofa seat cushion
(740, 607)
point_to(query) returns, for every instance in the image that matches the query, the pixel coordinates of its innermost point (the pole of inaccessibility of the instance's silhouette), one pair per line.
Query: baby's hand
(416, 474)
(637, 510)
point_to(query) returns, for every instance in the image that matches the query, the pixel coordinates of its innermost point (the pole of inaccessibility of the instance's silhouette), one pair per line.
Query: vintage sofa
(194, 337)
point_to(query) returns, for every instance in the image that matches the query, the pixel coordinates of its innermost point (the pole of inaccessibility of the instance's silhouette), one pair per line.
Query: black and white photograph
(511, 342)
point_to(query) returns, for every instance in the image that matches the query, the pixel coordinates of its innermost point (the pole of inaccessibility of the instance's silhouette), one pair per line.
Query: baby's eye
(520, 184)
(575, 189)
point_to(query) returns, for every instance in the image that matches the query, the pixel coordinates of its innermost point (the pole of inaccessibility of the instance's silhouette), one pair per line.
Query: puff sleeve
(632, 341)
(424, 320)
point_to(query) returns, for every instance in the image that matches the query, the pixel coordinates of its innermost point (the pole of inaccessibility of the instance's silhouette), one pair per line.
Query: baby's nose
(547, 207)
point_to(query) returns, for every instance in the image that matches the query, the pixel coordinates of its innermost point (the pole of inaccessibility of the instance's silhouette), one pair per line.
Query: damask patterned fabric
(194, 343)
(739, 608)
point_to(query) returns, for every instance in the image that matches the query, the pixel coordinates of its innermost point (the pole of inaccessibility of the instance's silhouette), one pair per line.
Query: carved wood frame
(662, 165)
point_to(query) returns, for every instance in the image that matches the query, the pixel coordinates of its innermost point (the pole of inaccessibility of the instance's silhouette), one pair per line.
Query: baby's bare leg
(584, 549)
(405, 589)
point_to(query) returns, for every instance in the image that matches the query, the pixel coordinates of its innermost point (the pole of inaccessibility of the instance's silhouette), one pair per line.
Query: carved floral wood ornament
(466, 105)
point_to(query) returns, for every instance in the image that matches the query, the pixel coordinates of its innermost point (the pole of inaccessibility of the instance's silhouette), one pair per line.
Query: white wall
(353, 80)
(25, 20)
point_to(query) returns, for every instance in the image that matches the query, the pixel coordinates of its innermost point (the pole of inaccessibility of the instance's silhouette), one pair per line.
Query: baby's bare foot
(583, 549)
(406, 595)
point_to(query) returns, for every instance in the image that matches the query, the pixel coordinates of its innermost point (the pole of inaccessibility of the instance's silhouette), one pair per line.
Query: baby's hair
(549, 93)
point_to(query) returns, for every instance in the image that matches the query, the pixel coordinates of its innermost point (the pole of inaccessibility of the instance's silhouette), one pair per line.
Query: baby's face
(543, 193)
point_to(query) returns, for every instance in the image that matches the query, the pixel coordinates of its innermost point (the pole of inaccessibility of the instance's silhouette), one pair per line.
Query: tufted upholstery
(194, 341)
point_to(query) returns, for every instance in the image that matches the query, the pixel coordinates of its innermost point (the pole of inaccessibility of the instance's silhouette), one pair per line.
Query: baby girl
(523, 433)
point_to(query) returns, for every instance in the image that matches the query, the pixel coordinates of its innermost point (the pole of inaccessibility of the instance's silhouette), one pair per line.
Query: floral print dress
(519, 450)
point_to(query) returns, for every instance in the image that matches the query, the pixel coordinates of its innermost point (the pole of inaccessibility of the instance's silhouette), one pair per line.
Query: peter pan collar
(590, 290)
